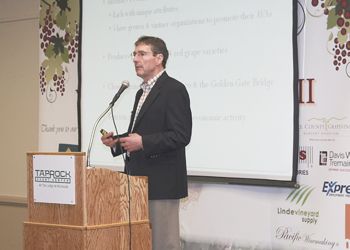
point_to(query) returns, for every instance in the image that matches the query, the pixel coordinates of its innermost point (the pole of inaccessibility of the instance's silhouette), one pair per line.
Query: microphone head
(126, 83)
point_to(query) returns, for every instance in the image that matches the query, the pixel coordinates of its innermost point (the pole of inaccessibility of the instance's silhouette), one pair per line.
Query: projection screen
(237, 60)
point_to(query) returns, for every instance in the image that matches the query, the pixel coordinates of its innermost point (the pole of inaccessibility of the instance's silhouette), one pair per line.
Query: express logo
(332, 188)
(52, 176)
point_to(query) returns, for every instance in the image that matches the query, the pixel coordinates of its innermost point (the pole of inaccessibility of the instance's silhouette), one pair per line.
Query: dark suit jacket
(165, 124)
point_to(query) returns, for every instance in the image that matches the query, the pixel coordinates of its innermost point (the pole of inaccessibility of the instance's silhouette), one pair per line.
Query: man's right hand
(108, 139)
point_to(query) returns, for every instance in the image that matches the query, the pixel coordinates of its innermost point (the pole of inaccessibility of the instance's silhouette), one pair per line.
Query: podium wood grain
(100, 217)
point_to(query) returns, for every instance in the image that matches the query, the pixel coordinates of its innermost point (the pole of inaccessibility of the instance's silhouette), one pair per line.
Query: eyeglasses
(140, 54)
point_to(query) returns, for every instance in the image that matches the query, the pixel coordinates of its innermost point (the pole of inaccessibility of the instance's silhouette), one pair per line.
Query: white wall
(19, 91)
(19, 112)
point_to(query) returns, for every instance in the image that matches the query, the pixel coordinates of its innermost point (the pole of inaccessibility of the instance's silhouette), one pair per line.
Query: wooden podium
(100, 217)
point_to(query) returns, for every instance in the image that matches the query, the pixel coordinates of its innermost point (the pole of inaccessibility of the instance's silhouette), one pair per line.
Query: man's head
(150, 56)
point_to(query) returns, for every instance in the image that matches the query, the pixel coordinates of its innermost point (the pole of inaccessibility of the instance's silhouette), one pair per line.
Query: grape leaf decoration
(59, 43)
(338, 22)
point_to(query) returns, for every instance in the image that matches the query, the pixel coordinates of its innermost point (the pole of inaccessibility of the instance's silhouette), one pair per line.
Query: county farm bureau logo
(332, 126)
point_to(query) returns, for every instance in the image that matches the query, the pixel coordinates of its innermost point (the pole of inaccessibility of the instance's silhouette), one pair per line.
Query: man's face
(146, 64)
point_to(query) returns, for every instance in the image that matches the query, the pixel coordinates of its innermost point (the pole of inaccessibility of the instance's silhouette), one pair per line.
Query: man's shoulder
(171, 82)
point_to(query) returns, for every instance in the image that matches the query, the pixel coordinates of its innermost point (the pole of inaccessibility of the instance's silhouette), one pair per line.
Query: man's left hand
(131, 143)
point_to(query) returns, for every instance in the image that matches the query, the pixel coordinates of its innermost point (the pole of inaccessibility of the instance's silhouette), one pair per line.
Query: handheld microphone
(124, 86)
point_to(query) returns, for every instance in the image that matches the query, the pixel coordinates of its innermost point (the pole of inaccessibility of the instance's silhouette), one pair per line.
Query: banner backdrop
(58, 62)
(315, 216)
(223, 216)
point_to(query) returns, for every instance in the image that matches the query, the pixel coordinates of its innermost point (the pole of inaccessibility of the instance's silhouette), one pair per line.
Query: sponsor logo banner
(54, 179)
(306, 160)
(335, 160)
(336, 189)
(295, 237)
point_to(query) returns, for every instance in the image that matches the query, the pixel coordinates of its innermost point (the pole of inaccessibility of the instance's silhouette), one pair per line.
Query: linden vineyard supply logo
(53, 176)
(299, 197)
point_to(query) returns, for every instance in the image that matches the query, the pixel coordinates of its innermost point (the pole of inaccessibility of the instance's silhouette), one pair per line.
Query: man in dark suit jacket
(160, 128)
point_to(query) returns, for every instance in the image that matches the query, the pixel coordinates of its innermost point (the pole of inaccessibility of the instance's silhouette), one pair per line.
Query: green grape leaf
(45, 63)
(58, 44)
(54, 66)
(61, 20)
(72, 17)
(342, 38)
(55, 10)
(328, 3)
(59, 73)
(50, 51)
(62, 5)
(44, 7)
(332, 19)
(42, 16)
(64, 55)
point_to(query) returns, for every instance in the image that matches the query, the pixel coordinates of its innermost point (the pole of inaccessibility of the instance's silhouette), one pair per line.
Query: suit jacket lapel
(152, 96)
(137, 98)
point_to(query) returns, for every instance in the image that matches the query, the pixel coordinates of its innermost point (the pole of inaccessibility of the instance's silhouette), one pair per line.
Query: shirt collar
(147, 86)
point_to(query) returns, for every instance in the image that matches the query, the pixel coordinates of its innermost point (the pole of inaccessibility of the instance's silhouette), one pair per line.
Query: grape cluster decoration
(338, 19)
(59, 43)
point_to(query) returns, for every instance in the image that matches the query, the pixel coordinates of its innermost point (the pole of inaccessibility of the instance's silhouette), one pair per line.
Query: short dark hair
(158, 46)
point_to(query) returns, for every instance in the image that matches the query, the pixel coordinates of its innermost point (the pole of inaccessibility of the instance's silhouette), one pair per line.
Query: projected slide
(234, 57)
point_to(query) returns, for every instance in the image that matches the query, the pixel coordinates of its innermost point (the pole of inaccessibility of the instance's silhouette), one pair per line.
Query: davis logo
(323, 159)
(336, 160)
(332, 188)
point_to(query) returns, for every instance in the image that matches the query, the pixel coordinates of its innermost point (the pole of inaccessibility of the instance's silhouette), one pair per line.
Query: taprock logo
(53, 176)
(300, 195)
